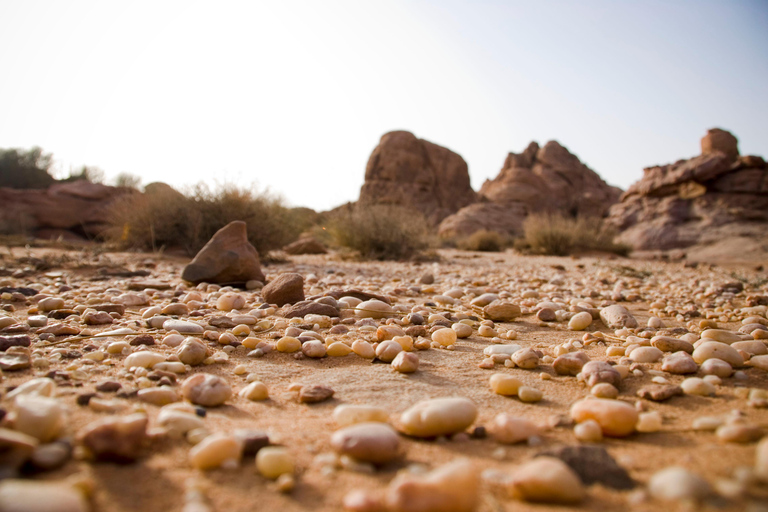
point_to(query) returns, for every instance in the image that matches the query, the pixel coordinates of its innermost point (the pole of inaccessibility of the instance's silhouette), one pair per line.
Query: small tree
(25, 168)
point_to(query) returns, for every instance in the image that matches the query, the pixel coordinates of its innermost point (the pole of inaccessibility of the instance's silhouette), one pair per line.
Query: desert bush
(558, 235)
(164, 217)
(380, 232)
(483, 240)
(25, 168)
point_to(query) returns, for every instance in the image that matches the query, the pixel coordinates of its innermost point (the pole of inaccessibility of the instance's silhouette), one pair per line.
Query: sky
(292, 96)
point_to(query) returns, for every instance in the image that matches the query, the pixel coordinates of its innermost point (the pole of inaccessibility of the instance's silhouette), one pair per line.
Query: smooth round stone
(717, 350)
(143, 359)
(438, 417)
(753, 348)
(484, 299)
(241, 330)
(179, 421)
(175, 309)
(230, 301)
(760, 362)
(580, 321)
(41, 417)
(547, 480)
(50, 304)
(452, 487)
(387, 332)
(697, 386)
(192, 352)
(525, 358)
(215, 450)
(646, 354)
(761, 460)
(716, 367)
(649, 422)
(679, 363)
(255, 391)
(500, 311)
(206, 389)
(288, 344)
(377, 443)
(338, 349)
(37, 321)
(388, 350)
(670, 344)
(346, 415)
(462, 330)
(549, 315)
(162, 395)
(722, 335)
(51, 456)
(405, 341)
(510, 429)
(314, 349)
(363, 349)
(273, 461)
(529, 395)
(504, 384)
(36, 496)
(117, 439)
(737, 433)
(405, 362)
(487, 331)
(617, 317)
(604, 390)
(570, 363)
(183, 327)
(588, 431)
(173, 340)
(595, 372)
(706, 423)
(16, 448)
(115, 332)
(616, 418)
(373, 309)
(501, 349)
(445, 337)
(42, 386)
(678, 484)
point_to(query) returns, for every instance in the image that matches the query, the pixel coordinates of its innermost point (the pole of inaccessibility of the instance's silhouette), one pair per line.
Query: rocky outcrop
(70, 210)
(540, 179)
(709, 199)
(415, 173)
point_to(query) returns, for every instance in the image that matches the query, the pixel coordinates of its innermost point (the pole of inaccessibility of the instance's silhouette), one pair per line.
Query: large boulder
(415, 173)
(709, 200)
(77, 208)
(227, 258)
(540, 179)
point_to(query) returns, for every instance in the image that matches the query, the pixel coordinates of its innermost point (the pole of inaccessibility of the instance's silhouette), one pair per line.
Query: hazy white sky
(294, 95)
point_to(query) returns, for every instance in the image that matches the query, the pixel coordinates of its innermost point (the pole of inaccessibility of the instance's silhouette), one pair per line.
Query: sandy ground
(156, 482)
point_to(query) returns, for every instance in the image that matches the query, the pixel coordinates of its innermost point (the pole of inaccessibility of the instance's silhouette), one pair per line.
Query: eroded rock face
(407, 171)
(539, 179)
(71, 210)
(717, 197)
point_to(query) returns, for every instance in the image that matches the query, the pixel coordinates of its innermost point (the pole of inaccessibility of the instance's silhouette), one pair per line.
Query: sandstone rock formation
(411, 172)
(717, 197)
(71, 209)
(539, 179)
(306, 245)
(227, 258)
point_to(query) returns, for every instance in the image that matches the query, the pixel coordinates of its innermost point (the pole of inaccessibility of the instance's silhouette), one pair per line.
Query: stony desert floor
(684, 299)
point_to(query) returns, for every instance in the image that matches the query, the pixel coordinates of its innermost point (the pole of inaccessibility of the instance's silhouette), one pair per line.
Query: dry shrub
(557, 235)
(381, 232)
(164, 217)
(483, 240)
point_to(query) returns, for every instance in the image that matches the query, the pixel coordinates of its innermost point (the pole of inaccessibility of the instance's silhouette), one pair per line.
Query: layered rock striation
(540, 179)
(406, 171)
(709, 199)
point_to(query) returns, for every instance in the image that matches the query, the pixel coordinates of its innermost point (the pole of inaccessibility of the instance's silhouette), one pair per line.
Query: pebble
(588, 431)
(617, 317)
(445, 336)
(510, 429)
(377, 443)
(273, 461)
(338, 349)
(179, 422)
(738, 433)
(116, 439)
(346, 415)
(761, 460)
(438, 417)
(697, 386)
(722, 335)
(162, 395)
(288, 344)
(646, 354)
(549, 315)
(51, 456)
(42, 386)
(206, 389)
(659, 392)
(505, 384)
(678, 484)
(670, 344)
(679, 363)
(255, 391)
(616, 418)
(596, 372)
(183, 327)
(363, 349)
(373, 309)
(547, 480)
(41, 417)
(15, 448)
(760, 362)
(717, 350)
(716, 367)
(143, 359)
(286, 288)
(604, 390)
(452, 487)
(528, 394)
(37, 496)
(315, 349)
(405, 362)
(228, 302)
(649, 422)
(525, 358)
(315, 393)
(570, 364)
(216, 450)
(580, 321)
(501, 311)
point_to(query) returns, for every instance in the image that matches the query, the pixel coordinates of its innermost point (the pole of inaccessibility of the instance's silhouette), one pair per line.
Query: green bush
(25, 169)
(381, 232)
(558, 235)
(164, 217)
(483, 240)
